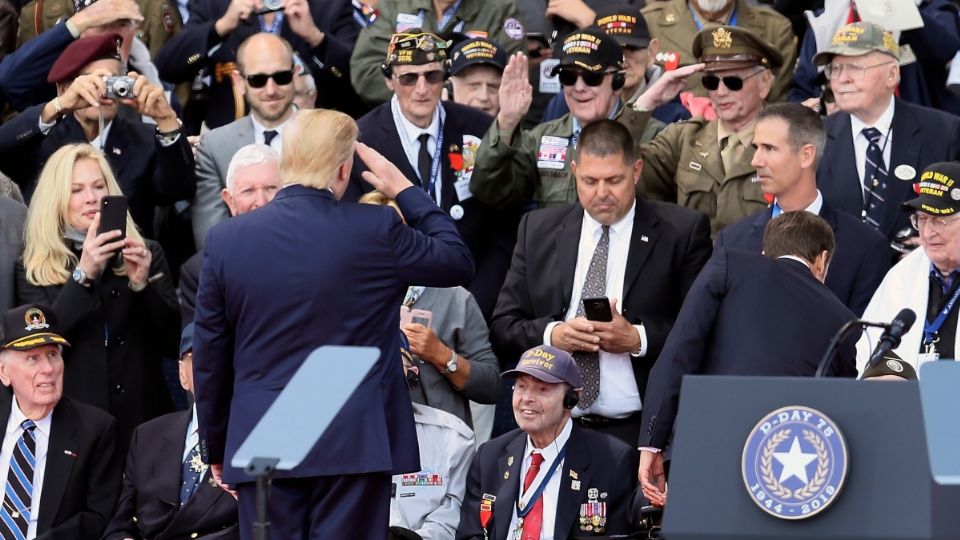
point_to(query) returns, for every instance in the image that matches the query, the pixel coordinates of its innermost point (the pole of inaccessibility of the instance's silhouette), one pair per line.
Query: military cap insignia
(722, 38)
(35, 320)
(794, 462)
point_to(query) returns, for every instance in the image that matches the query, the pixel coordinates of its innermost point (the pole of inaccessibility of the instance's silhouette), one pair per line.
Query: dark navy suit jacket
(593, 461)
(860, 261)
(921, 136)
(23, 72)
(302, 272)
(489, 233)
(746, 314)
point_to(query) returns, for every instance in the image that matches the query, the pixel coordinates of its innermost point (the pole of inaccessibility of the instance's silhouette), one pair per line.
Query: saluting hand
(575, 11)
(516, 93)
(384, 176)
(666, 88)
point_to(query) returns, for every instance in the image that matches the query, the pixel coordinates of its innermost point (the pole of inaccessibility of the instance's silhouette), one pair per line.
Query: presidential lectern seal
(794, 462)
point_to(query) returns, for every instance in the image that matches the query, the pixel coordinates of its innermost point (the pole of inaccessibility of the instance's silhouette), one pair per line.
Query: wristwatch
(452, 364)
(80, 276)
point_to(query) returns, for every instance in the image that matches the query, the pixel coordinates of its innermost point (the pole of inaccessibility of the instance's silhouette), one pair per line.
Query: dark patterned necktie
(594, 285)
(15, 513)
(268, 136)
(193, 469)
(874, 178)
(424, 162)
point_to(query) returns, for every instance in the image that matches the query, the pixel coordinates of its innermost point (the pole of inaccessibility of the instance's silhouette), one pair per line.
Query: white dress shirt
(409, 138)
(258, 129)
(551, 493)
(42, 436)
(193, 437)
(883, 124)
(619, 396)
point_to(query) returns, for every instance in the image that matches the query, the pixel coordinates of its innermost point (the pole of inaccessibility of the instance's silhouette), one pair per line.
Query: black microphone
(828, 355)
(891, 336)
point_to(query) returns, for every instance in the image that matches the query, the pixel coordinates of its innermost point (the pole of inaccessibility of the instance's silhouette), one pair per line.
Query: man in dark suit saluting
(58, 466)
(304, 271)
(574, 479)
(642, 255)
(789, 141)
(747, 314)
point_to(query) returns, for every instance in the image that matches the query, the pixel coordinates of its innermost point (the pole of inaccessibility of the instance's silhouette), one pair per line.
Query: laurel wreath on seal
(766, 466)
(823, 462)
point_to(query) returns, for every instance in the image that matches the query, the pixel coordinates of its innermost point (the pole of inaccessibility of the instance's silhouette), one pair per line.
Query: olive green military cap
(734, 47)
(857, 39)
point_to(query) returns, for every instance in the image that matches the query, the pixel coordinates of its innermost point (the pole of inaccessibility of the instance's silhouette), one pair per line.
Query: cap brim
(476, 62)
(632, 41)
(713, 67)
(824, 56)
(579, 63)
(535, 373)
(36, 340)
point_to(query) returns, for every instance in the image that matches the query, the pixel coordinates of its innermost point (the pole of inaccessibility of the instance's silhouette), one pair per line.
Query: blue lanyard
(435, 166)
(275, 28)
(522, 512)
(699, 23)
(930, 329)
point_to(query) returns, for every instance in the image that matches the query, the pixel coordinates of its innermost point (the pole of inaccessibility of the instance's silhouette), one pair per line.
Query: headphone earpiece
(570, 398)
(619, 79)
(413, 379)
(386, 69)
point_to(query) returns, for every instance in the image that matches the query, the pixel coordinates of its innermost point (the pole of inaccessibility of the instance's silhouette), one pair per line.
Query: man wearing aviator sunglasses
(515, 165)
(434, 143)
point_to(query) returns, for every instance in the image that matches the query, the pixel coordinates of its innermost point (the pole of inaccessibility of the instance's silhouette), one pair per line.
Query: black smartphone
(113, 215)
(597, 309)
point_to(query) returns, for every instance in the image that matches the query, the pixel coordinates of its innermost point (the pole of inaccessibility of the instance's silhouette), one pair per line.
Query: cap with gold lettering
(590, 50)
(414, 48)
(858, 39)
(29, 326)
(734, 47)
(939, 190)
(626, 24)
(548, 364)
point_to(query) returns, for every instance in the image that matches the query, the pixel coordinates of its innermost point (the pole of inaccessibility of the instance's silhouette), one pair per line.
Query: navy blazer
(149, 173)
(858, 264)
(490, 233)
(302, 272)
(594, 461)
(746, 314)
(921, 136)
(668, 247)
(185, 54)
(23, 72)
(149, 503)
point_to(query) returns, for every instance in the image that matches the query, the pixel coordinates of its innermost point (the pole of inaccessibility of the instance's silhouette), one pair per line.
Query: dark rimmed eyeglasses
(259, 80)
(732, 82)
(435, 76)
(568, 77)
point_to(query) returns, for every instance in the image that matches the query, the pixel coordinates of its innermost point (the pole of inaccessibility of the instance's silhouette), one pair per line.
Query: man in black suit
(789, 141)
(415, 68)
(58, 464)
(747, 314)
(153, 163)
(641, 255)
(321, 32)
(854, 178)
(586, 488)
(167, 491)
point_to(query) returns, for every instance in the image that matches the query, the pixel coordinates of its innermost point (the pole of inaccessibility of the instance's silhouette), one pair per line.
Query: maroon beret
(83, 51)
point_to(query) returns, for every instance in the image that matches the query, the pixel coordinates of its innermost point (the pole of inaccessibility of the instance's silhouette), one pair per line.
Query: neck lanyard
(430, 186)
(528, 500)
(930, 329)
(275, 27)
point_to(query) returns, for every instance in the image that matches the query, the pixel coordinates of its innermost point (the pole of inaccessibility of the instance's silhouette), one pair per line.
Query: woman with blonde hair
(113, 296)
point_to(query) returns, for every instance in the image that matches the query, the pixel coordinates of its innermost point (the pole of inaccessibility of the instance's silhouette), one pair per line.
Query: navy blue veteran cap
(477, 51)
(186, 340)
(626, 24)
(548, 364)
(939, 190)
(590, 50)
(29, 326)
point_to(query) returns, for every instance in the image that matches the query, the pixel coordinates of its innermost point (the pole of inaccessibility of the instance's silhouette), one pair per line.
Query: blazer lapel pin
(70, 453)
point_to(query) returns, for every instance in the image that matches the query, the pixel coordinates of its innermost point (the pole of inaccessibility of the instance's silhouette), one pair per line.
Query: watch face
(78, 275)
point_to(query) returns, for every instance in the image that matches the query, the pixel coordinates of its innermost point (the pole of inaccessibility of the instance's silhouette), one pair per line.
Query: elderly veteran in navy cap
(550, 478)
(926, 280)
(706, 164)
(476, 67)
(154, 165)
(58, 465)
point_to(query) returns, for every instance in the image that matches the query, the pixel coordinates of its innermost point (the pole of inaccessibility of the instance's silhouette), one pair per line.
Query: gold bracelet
(56, 106)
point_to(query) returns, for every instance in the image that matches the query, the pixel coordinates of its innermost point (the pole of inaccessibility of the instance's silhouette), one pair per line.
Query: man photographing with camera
(85, 110)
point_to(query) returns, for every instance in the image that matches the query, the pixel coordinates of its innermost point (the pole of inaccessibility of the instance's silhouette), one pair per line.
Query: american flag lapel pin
(70, 453)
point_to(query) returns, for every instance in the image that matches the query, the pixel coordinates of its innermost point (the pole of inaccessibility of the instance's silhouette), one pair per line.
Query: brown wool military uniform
(672, 23)
(161, 20)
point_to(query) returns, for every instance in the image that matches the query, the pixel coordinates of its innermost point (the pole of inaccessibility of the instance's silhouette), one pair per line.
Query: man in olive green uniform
(675, 22)
(496, 20)
(515, 165)
(706, 165)
(161, 20)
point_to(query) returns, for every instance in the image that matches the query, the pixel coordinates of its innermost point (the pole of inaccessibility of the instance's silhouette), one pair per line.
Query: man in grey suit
(265, 76)
(12, 215)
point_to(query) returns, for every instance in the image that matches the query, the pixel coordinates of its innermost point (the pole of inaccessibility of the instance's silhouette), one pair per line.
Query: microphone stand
(835, 342)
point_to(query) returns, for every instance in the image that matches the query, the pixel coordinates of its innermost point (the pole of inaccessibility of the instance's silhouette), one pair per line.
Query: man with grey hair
(252, 179)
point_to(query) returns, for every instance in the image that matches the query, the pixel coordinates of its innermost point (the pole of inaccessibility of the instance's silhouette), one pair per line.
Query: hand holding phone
(597, 308)
(113, 215)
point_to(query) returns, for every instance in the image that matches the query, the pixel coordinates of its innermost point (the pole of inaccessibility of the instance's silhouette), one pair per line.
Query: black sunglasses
(568, 77)
(259, 80)
(432, 77)
(733, 83)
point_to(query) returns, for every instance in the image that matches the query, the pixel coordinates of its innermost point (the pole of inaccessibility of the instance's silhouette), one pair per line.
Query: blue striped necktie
(15, 513)
(874, 178)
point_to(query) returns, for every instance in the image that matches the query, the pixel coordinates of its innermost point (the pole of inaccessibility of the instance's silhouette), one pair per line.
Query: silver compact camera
(119, 87)
(269, 6)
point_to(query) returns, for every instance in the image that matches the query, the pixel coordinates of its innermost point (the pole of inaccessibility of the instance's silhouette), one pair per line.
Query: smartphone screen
(113, 215)
(597, 309)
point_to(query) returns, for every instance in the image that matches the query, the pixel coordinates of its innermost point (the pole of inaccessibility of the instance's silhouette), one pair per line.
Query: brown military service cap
(734, 47)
